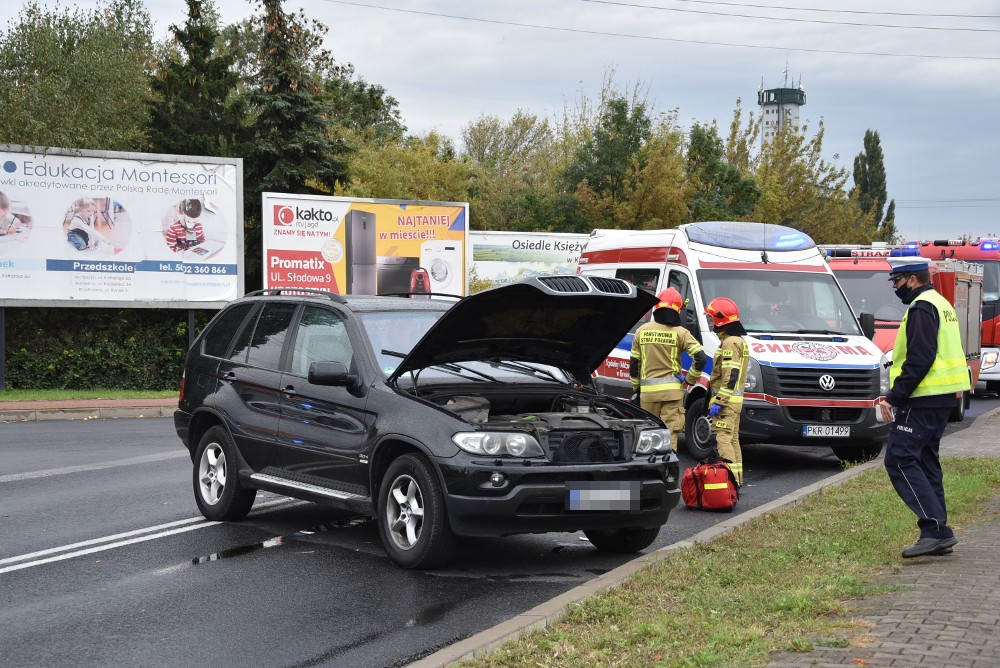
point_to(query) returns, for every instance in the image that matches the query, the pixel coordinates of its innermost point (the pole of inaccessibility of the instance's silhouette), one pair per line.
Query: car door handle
(229, 375)
(288, 389)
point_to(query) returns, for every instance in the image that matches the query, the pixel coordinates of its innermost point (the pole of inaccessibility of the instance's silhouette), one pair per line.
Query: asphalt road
(105, 560)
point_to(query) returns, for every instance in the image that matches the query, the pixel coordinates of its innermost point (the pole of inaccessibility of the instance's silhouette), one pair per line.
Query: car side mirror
(334, 374)
(868, 325)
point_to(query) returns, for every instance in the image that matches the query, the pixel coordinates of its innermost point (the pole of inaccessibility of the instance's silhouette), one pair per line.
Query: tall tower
(779, 106)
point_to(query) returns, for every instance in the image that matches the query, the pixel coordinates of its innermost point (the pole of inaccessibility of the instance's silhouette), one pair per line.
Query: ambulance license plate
(826, 431)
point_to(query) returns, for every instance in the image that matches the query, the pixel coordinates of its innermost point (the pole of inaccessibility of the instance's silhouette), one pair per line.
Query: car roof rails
(307, 292)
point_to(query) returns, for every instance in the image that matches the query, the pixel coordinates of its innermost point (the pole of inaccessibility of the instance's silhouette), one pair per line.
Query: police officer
(729, 372)
(928, 369)
(655, 365)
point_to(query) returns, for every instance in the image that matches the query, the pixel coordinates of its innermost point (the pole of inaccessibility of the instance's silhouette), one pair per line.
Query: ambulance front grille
(804, 383)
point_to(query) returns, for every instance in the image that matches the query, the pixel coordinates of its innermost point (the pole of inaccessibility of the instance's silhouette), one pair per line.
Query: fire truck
(814, 376)
(987, 253)
(862, 272)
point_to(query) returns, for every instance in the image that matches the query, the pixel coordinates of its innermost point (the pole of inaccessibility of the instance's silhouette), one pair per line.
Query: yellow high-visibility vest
(949, 372)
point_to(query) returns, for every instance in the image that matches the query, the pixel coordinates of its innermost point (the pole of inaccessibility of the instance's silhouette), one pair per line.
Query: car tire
(622, 541)
(697, 431)
(854, 454)
(217, 489)
(412, 520)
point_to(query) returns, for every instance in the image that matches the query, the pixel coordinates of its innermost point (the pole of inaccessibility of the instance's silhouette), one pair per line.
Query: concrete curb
(550, 612)
(86, 409)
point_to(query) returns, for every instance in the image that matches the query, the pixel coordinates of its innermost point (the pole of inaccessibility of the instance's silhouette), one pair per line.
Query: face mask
(903, 292)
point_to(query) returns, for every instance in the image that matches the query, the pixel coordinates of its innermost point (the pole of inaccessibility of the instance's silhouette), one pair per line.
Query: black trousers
(911, 460)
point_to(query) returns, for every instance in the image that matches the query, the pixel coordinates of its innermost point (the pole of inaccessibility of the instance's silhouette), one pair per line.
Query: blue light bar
(748, 236)
(909, 251)
(989, 245)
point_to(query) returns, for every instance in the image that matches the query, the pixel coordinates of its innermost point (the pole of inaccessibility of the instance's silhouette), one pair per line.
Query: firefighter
(928, 369)
(729, 371)
(658, 380)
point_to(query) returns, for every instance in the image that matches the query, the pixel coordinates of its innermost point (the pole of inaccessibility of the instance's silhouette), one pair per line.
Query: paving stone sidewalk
(947, 612)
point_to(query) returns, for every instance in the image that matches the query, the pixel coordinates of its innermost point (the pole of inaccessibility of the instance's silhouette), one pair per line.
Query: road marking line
(145, 459)
(164, 530)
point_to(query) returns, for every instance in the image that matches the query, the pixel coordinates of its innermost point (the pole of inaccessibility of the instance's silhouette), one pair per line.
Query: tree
(604, 161)
(291, 148)
(365, 108)
(515, 172)
(870, 184)
(801, 189)
(423, 168)
(76, 78)
(196, 109)
(718, 190)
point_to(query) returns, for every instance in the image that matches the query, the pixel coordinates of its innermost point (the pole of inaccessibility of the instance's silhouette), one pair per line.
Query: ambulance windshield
(870, 292)
(782, 301)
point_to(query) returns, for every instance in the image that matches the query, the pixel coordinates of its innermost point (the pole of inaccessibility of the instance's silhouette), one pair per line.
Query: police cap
(901, 266)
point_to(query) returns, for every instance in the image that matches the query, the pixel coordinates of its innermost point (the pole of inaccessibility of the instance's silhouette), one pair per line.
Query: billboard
(107, 229)
(498, 258)
(364, 246)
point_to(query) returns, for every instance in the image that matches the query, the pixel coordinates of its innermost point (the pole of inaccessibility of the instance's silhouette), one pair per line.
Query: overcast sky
(924, 74)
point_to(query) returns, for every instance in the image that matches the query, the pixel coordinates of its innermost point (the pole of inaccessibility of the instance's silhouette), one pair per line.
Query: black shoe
(929, 546)
(940, 552)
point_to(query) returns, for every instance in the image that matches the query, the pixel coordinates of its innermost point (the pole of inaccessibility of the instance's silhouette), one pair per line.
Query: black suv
(469, 418)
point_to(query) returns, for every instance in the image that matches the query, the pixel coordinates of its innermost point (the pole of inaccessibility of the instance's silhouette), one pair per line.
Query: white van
(814, 377)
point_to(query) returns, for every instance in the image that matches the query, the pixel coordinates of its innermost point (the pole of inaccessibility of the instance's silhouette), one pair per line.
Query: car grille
(814, 414)
(804, 383)
(584, 447)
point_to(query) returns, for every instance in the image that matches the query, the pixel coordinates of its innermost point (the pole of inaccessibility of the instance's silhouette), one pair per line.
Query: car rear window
(220, 334)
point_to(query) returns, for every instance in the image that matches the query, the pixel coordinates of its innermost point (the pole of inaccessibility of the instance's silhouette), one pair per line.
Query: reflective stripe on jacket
(733, 353)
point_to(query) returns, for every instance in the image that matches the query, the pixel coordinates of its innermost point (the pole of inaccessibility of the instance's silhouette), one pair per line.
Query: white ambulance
(814, 377)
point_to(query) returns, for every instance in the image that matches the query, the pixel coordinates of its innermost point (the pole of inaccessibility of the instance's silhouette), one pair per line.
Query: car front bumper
(763, 422)
(535, 498)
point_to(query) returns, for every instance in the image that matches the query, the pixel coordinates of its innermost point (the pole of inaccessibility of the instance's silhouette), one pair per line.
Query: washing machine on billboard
(443, 261)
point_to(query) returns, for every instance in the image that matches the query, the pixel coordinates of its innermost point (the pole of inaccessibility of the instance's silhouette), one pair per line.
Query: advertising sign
(105, 229)
(498, 258)
(364, 246)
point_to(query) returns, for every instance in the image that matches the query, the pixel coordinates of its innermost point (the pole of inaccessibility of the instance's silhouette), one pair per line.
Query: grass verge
(778, 583)
(56, 395)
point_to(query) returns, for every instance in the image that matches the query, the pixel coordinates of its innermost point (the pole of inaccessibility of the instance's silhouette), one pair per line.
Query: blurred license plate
(605, 496)
(826, 431)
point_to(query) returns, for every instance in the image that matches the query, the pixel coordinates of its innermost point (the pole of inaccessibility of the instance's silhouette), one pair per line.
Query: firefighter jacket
(947, 372)
(729, 369)
(656, 356)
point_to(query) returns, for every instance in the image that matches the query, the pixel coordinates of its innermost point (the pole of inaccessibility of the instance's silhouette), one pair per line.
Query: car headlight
(498, 443)
(653, 440)
(754, 381)
(989, 360)
(883, 376)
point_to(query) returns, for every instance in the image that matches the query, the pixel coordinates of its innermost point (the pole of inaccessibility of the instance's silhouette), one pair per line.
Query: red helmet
(671, 299)
(722, 311)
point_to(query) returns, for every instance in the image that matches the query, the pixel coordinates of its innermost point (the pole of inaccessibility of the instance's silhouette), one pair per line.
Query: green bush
(86, 348)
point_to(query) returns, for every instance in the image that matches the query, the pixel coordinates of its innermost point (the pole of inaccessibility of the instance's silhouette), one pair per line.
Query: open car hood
(570, 322)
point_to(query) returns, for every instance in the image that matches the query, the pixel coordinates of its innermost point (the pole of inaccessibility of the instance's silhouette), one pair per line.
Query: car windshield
(871, 292)
(393, 334)
(782, 301)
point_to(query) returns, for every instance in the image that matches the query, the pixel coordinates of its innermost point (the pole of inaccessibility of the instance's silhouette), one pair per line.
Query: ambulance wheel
(857, 453)
(958, 412)
(697, 431)
(622, 541)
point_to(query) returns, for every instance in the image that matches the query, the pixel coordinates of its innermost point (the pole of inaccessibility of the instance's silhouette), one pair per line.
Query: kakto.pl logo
(284, 215)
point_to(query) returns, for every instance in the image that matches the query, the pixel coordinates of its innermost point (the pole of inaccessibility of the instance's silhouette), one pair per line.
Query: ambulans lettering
(810, 349)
